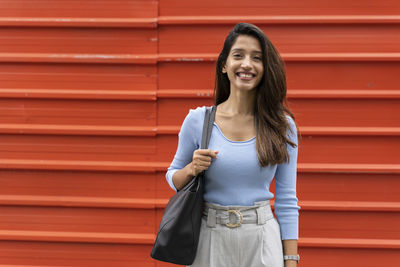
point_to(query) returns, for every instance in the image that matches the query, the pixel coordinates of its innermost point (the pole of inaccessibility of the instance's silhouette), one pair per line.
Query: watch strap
(292, 257)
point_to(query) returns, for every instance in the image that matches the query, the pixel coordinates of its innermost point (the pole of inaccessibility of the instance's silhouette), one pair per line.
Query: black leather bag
(179, 230)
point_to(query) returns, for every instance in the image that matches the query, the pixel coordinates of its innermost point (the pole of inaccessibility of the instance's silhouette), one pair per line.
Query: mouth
(246, 76)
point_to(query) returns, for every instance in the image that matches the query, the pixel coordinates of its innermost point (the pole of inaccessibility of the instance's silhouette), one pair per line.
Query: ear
(223, 70)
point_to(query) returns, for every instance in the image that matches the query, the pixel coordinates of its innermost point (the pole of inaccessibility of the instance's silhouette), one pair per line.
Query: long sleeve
(286, 207)
(188, 142)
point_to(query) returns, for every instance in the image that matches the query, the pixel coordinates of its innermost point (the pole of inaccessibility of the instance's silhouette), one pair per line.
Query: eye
(258, 58)
(236, 55)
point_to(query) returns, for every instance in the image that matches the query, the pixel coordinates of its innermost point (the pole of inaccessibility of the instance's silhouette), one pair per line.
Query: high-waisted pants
(239, 236)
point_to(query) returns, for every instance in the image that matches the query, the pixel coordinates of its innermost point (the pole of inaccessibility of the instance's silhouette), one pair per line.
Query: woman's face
(244, 64)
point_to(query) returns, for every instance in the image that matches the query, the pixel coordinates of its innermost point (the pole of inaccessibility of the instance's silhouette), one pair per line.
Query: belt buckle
(239, 217)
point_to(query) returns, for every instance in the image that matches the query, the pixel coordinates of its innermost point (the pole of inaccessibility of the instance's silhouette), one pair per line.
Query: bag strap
(207, 126)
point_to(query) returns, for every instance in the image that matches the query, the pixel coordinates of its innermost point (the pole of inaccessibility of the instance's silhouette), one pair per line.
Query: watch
(292, 257)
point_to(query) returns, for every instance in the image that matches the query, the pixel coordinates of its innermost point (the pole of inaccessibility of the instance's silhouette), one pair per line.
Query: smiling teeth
(245, 75)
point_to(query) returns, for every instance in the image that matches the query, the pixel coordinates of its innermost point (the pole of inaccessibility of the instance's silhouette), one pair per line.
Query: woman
(254, 139)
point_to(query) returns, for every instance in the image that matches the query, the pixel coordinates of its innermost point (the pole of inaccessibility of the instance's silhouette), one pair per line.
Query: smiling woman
(254, 140)
(244, 64)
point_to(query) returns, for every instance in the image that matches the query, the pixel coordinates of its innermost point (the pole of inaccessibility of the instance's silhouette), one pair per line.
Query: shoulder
(290, 121)
(194, 119)
(193, 124)
(197, 112)
(196, 115)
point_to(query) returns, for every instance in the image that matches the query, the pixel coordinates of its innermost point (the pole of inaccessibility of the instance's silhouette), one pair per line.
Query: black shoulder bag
(179, 230)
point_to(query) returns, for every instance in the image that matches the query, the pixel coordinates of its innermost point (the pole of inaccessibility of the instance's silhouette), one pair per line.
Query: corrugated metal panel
(93, 94)
(78, 132)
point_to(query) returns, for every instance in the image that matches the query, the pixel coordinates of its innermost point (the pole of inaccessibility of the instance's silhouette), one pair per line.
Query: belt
(234, 216)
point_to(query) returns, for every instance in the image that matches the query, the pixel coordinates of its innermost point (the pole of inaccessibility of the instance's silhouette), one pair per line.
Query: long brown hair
(270, 107)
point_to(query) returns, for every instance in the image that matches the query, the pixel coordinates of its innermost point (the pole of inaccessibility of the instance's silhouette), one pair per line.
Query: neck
(240, 102)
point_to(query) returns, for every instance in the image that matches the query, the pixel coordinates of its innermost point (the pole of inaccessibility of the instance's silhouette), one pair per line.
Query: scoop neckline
(232, 141)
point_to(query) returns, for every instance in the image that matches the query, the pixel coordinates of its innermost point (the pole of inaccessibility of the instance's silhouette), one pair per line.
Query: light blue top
(235, 177)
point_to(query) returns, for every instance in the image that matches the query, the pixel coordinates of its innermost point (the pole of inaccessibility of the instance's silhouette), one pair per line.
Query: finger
(202, 159)
(204, 151)
(204, 163)
(209, 152)
(214, 153)
(201, 164)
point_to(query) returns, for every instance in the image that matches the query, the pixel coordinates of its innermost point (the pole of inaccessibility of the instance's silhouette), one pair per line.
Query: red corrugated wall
(93, 93)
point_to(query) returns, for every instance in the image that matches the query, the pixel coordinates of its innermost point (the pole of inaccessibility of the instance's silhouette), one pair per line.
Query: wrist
(190, 173)
(290, 263)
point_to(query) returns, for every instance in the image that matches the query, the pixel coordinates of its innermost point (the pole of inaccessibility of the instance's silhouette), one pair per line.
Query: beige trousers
(251, 239)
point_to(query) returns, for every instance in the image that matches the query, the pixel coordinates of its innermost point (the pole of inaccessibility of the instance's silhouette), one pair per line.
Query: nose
(246, 62)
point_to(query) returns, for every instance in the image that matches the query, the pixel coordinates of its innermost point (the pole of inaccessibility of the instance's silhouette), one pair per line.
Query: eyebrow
(241, 49)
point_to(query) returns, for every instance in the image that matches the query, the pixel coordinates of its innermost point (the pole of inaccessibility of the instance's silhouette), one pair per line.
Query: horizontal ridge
(81, 201)
(153, 22)
(152, 203)
(376, 206)
(348, 168)
(79, 58)
(114, 130)
(79, 94)
(59, 236)
(78, 129)
(280, 19)
(153, 95)
(79, 22)
(148, 239)
(43, 164)
(198, 57)
(194, 57)
(349, 243)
